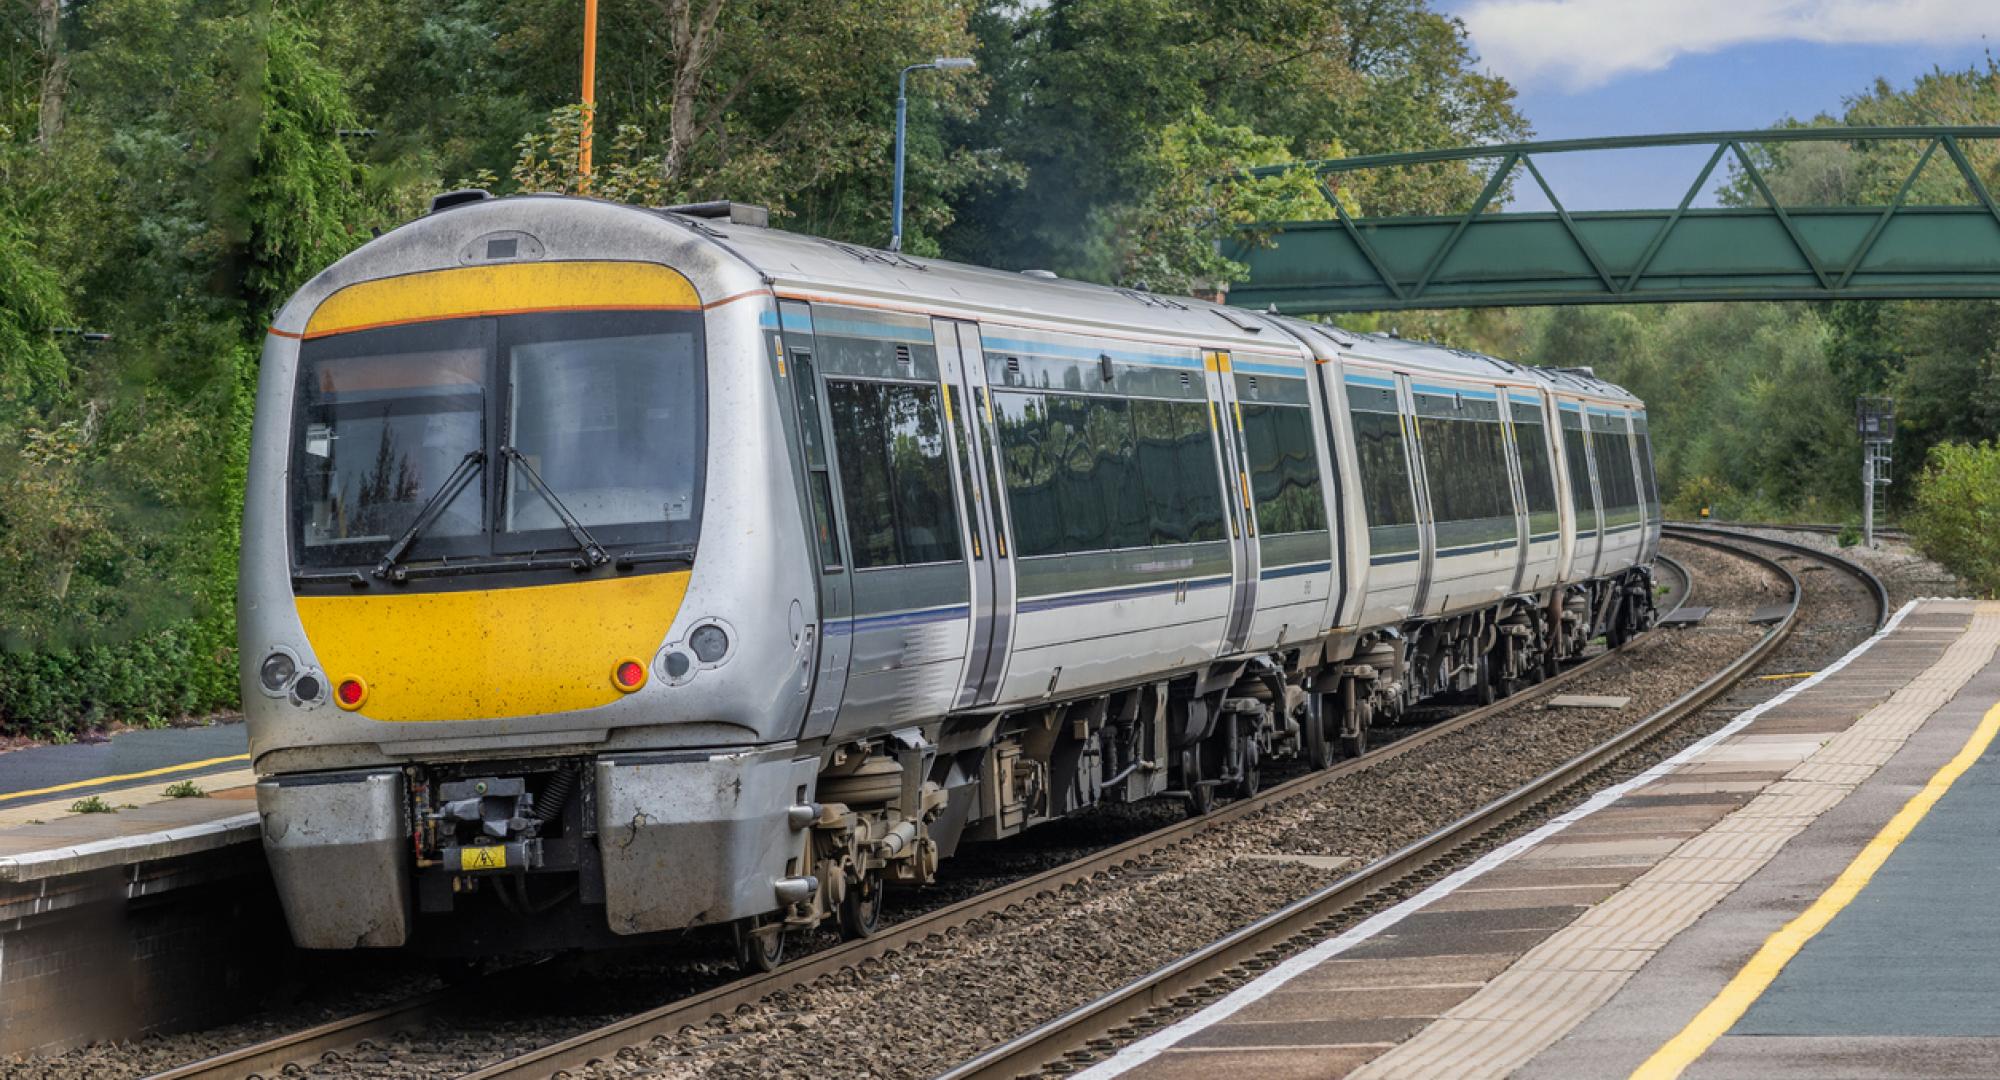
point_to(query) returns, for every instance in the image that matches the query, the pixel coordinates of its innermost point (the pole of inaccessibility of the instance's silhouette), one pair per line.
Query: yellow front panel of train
(491, 653)
(502, 290)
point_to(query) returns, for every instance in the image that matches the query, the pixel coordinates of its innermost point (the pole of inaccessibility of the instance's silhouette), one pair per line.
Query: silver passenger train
(611, 571)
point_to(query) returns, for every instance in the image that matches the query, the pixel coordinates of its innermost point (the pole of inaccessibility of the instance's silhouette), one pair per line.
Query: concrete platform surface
(70, 772)
(1584, 947)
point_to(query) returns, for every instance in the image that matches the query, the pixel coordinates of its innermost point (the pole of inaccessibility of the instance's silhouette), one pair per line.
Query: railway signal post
(1875, 418)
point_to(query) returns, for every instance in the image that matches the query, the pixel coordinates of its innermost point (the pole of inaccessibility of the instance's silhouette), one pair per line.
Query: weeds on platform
(92, 805)
(185, 789)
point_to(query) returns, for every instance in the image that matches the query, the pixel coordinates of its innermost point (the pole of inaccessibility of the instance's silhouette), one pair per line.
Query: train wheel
(1252, 778)
(861, 907)
(1319, 748)
(760, 951)
(1356, 744)
(1201, 796)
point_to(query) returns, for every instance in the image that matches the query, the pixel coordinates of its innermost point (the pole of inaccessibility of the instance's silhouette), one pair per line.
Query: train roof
(807, 263)
(812, 267)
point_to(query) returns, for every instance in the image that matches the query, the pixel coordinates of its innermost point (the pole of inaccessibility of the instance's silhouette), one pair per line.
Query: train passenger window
(1100, 473)
(1466, 463)
(1614, 471)
(1284, 470)
(1576, 456)
(1384, 462)
(1177, 471)
(1538, 478)
(894, 478)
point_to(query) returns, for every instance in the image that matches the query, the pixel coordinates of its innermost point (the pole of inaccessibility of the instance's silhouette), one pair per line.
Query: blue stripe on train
(1051, 603)
(1295, 571)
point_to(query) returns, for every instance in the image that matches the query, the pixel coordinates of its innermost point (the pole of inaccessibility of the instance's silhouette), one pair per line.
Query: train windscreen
(485, 433)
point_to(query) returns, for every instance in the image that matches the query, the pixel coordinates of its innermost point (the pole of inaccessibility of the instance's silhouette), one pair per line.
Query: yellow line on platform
(1787, 675)
(163, 771)
(1750, 983)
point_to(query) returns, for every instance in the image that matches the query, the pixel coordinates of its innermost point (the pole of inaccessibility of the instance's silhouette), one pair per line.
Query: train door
(1413, 440)
(1227, 416)
(836, 598)
(1592, 452)
(962, 370)
(1587, 537)
(1517, 482)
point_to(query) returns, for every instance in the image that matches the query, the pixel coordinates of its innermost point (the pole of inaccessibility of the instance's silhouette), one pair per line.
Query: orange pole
(589, 90)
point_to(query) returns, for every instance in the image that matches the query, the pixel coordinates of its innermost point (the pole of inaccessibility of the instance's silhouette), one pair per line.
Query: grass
(92, 805)
(185, 789)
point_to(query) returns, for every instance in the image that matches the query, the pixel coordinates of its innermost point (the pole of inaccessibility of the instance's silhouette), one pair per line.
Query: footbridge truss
(1761, 250)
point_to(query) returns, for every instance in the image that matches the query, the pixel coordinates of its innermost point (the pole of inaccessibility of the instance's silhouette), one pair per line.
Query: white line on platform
(1159, 1042)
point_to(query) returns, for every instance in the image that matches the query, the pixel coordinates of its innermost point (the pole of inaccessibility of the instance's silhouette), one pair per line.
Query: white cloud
(1584, 43)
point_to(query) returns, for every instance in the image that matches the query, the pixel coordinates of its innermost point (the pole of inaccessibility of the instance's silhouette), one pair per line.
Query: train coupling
(487, 824)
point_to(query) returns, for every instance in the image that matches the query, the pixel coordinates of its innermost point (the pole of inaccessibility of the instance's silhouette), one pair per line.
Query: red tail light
(350, 693)
(629, 675)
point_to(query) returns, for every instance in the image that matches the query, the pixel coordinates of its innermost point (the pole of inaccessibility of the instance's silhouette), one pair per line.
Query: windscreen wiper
(453, 484)
(592, 550)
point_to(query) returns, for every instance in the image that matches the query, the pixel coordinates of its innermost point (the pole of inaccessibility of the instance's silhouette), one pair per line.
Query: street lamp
(942, 63)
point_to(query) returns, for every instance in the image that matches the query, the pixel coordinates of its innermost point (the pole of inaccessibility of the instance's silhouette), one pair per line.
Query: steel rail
(1889, 533)
(1878, 591)
(267, 1057)
(1295, 926)
(272, 1056)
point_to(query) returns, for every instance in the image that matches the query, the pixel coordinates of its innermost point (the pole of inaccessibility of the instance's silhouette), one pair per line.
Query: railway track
(1087, 1032)
(1882, 532)
(283, 1054)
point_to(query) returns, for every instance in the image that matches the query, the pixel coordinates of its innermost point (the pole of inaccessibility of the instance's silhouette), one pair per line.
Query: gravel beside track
(1907, 573)
(926, 1007)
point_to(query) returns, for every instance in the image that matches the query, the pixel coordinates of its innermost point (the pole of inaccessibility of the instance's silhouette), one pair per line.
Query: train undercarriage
(507, 855)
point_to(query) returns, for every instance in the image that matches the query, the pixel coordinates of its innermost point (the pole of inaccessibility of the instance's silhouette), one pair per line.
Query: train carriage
(609, 571)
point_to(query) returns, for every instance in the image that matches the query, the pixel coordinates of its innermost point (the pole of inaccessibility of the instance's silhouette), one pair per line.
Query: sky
(1587, 68)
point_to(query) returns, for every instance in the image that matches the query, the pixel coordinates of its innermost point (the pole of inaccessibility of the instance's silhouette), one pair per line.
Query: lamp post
(942, 63)
(589, 94)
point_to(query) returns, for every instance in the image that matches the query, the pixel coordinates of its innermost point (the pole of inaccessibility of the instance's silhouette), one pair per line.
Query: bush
(189, 668)
(1850, 535)
(1957, 518)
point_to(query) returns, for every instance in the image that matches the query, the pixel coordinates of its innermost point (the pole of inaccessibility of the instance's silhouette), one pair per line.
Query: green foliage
(1085, 92)
(1196, 197)
(1957, 515)
(93, 804)
(1849, 535)
(184, 789)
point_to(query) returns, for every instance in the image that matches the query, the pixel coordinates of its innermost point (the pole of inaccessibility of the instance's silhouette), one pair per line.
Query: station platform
(147, 913)
(1807, 892)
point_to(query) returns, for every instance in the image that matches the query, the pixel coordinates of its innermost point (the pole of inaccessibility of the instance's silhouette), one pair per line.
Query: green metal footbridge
(1759, 251)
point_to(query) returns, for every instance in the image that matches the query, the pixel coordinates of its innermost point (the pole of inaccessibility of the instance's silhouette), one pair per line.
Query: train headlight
(710, 643)
(628, 675)
(277, 672)
(678, 664)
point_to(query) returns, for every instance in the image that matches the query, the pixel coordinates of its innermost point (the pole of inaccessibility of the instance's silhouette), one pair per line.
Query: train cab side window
(1284, 471)
(805, 383)
(894, 478)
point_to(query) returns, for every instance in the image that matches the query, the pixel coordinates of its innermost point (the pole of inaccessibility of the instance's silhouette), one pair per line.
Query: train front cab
(528, 653)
